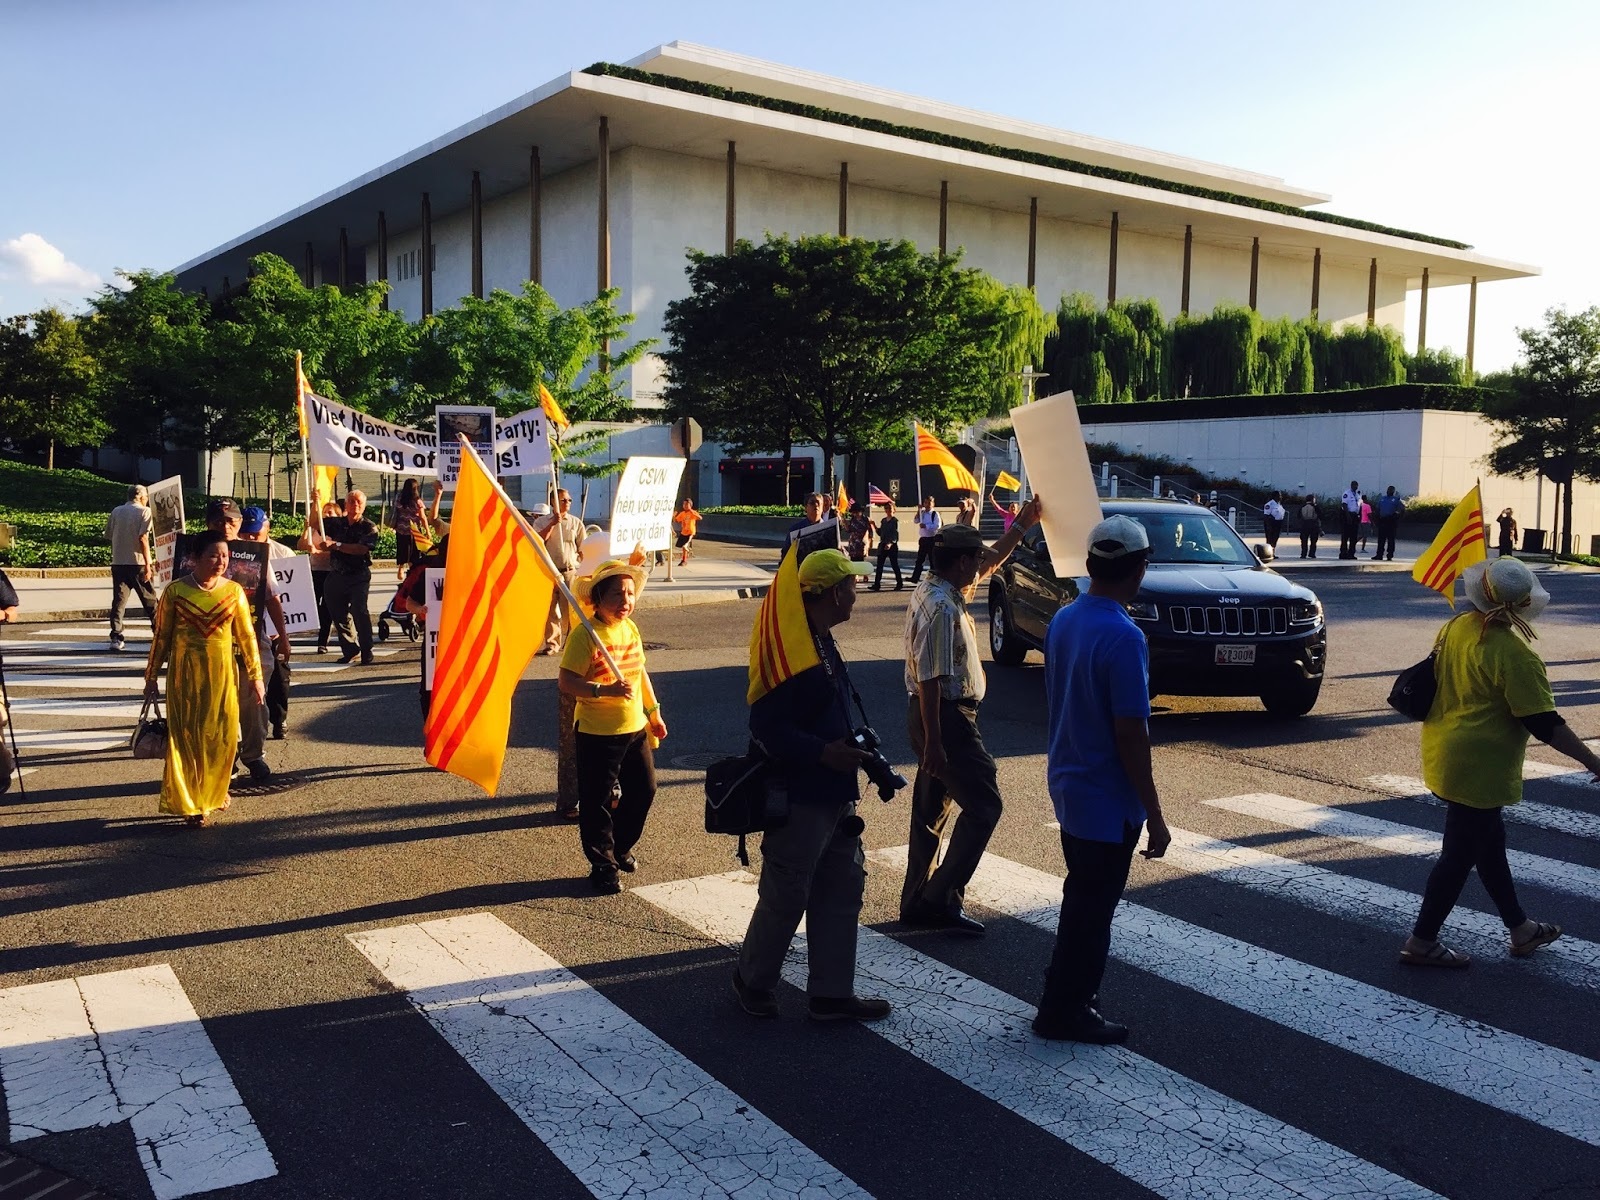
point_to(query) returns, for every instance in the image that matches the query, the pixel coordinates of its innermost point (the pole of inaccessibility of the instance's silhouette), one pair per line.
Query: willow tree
(840, 342)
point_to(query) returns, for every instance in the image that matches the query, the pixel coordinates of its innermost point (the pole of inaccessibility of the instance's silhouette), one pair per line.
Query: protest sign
(824, 535)
(291, 580)
(340, 436)
(642, 512)
(522, 444)
(166, 523)
(1057, 464)
(454, 420)
(247, 566)
(433, 589)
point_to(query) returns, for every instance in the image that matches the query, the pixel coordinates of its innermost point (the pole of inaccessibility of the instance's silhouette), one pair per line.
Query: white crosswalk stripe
(626, 1113)
(1571, 878)
(58, 741)
(1529, 812)
(1168, 1133)
(1518, 1075)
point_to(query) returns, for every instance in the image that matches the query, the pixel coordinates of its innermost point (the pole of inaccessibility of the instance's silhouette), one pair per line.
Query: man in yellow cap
(812, 866)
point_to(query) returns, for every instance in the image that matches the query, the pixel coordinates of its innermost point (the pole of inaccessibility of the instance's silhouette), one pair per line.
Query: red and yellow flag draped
(552, 410)
(781, 645)
(931, 452)
(1459, 545)
(301, 387)
(497, 588)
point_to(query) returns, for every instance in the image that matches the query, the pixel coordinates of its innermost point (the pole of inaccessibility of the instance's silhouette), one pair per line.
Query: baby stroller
(395, 611)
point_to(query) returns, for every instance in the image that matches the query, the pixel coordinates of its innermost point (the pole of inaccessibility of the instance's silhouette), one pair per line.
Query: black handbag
(744, 795)
(149, 738)
(1415, 687)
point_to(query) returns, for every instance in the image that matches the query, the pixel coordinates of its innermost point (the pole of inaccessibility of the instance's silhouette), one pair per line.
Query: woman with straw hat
(618, 721)
(1492, 693)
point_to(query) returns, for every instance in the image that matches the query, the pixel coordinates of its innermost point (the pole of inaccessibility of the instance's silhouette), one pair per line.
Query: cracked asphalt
(356, 1093)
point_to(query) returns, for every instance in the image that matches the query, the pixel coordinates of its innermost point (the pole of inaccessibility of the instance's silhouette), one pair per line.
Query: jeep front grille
(1228, 621)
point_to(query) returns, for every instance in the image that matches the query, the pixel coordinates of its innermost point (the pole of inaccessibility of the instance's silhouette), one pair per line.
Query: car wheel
(1004, 645)
(1293, 699)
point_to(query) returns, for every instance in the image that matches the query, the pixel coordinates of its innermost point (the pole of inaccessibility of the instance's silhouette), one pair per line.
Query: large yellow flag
(497, 588)
(301, 387)
(931, 452)
(1459, 545)
(781, 645)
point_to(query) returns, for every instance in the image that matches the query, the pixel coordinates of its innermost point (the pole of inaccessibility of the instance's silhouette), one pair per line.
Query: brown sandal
(1436, 955)
(1543, 934)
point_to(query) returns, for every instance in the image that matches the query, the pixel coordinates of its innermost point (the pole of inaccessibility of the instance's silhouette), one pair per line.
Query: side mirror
(1264, 552)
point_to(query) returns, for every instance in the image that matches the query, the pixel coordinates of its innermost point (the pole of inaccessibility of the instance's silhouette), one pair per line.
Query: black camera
(878, 768)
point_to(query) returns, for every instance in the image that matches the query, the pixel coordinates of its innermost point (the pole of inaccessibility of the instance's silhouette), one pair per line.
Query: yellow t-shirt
(1473, 741)
(608, 714)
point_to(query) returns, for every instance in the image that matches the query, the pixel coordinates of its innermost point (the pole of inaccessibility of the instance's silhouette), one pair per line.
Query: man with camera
(812, 866)
(944, 677)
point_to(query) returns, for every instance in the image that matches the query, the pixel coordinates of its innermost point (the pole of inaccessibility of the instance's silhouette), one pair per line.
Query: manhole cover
(695, 762)
(269, 787)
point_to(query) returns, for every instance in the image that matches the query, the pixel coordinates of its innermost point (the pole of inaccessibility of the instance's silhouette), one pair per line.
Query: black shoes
(347, 659)
(277, 731)
(756, 1001)
(366, 659)
(604, 880)
(928, 917)
(1085, 1025)
(628, 863)
(259, 771)
(846, 1008)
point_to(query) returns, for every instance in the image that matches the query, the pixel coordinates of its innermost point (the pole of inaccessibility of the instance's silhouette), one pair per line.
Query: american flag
(876, 496)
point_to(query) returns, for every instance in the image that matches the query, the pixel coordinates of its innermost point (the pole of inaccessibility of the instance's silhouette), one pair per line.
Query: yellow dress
(199, 630)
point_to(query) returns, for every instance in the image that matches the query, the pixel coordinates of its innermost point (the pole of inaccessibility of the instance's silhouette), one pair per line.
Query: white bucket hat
(1506, 587)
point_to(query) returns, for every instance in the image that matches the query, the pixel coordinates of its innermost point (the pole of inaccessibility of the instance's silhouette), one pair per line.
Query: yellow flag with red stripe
(1459, 544)
(552, 410)
(301, 387)
(497, 588)
(931, 452)
(781, 645)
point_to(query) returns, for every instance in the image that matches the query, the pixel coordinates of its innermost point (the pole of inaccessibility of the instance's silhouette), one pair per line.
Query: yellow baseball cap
(822, 569)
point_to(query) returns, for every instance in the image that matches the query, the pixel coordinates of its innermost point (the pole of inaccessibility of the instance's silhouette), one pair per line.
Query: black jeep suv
(1218, 622)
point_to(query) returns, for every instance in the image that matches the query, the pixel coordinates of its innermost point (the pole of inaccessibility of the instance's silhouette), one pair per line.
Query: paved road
(377, 982)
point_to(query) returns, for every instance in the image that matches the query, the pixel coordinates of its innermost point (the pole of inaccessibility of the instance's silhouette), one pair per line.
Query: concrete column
(1316, 283)
(1472, 324)
(1255, 269)
(844, 199)
(383, 256)
(1033, 237)
(344, 258)
(1188, 259)
(1372, 294)
(309, 278)
(731, 206)
(1111, 275)
(426, 254)
(1422, 315)
(944, 216)
(603, 231)
(535, 217)
(477, 235)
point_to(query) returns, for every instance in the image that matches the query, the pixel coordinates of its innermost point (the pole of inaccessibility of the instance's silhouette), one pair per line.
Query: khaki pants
(970, 783)
(555, 624)
(253, 712)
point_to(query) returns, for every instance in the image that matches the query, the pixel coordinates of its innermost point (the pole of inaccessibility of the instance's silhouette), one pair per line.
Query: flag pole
(305, 445)
(544, 555)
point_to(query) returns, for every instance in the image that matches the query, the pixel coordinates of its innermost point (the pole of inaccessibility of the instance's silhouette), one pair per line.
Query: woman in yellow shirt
(1492, 693)
(618, 720)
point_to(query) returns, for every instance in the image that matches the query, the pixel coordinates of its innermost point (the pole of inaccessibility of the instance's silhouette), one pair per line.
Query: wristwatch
(594, 689)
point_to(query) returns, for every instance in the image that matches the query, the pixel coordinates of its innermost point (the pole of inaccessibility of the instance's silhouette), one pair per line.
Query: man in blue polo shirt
(1097, 683)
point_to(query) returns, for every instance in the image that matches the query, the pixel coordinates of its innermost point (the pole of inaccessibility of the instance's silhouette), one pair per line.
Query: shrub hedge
(1397, 397)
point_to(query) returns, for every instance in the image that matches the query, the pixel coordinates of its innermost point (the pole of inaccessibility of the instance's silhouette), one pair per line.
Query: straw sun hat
(1505, 588)
(583, 587)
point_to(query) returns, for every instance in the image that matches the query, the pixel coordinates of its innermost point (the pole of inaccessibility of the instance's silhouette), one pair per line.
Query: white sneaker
(116, 645)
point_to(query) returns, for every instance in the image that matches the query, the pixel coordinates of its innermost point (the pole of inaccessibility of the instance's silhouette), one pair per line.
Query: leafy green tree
(47, 383)
(1549, 423)
(840, 341)
(1435, 366)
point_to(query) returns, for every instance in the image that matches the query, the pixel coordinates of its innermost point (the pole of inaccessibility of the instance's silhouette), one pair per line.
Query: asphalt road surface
(370, 980)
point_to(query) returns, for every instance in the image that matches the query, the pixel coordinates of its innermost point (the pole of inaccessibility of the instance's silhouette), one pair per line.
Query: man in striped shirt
(945, 682)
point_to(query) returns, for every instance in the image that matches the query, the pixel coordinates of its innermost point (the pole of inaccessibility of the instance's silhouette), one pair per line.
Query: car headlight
(1143, 610)
(1305, 612)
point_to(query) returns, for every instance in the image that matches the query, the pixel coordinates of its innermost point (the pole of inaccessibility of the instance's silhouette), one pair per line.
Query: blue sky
(140, 133)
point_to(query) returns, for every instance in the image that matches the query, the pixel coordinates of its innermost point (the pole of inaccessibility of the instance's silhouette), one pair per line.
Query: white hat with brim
(1505, 584)
(583, 587)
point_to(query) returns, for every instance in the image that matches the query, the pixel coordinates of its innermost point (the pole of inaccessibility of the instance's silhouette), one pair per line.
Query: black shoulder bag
(1415, 687)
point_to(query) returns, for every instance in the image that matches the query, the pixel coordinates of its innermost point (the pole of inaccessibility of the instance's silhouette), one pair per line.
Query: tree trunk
(210, 462)
(827, 471)
(1566, 518)
(272, 473)
(788, 455)
(50, 456)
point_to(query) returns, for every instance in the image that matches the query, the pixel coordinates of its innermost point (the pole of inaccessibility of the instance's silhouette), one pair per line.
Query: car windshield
(1192, 535)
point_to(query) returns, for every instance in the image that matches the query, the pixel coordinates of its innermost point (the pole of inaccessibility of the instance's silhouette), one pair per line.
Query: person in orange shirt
(686, 520)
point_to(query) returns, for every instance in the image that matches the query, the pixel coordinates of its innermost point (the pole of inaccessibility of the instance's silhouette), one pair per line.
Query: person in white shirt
(128, 530)
(928, 525)
(1272, 515)
(1350, 520)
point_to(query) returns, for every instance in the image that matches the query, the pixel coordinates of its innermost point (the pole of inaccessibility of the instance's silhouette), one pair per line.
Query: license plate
(1236, 656)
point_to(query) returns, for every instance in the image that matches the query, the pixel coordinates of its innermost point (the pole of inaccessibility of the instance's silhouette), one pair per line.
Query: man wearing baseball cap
(945, 681)
(1097, 685)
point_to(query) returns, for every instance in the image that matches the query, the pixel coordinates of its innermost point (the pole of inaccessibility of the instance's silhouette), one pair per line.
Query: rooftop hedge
(1394, 397)
(912, 133)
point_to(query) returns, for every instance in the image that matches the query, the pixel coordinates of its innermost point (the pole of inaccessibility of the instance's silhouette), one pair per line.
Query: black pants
(345, 600)
(1473, 837)
(616, 786)
(1308, 540)
(924, 555)
(319, 580)
(1349, 533)
(125, 582)
(970, 783)
(1271, 528)
(1097, 872)
(1387, 527)
(888, 552)
(278, 677)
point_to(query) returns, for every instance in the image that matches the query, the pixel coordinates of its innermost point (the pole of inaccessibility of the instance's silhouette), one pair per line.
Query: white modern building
(606, 176)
